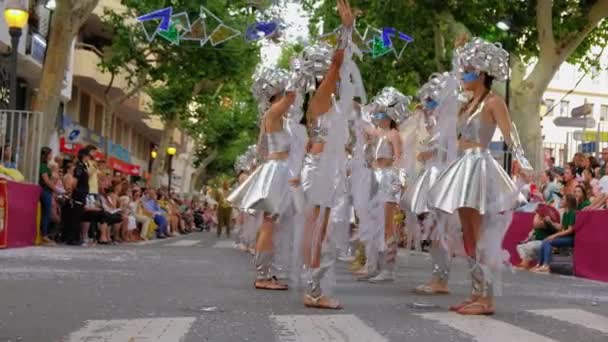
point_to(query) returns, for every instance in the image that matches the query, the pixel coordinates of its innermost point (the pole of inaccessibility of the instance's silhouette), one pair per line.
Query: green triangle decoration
(171, 35)
(378, 48)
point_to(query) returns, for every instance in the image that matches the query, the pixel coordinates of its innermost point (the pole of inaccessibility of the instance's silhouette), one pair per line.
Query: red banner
(124, 167)
(73, 149)
(3, 215)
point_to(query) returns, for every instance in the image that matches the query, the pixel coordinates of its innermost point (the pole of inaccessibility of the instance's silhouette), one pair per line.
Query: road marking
(140, 330)
(224, 244)
(326, 328)
(576, 316)
(485, 329)
(183, 243)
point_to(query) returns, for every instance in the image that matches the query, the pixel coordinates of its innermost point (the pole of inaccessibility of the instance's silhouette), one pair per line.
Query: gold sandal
(321, 302)
(428, 290)
(476, 309)
(271, 284)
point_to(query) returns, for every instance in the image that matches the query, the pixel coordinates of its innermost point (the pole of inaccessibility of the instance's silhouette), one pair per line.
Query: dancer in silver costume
(440, 99)
(267, 190)
(243, 168)
(475, 185)
(323, 173)
(388, 110)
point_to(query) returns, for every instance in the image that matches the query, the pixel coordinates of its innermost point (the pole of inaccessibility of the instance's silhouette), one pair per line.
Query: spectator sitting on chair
(136, 206)
(542, 228)
(563, 238)
(569, 181)
(158, 215)
(580, 193)
(7, 157)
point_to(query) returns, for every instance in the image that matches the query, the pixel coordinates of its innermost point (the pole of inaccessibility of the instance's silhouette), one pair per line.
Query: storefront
(76, 137)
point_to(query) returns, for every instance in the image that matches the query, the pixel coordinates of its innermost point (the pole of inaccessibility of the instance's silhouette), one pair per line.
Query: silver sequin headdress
(485, 56)
(268, 82)
(392, 102)
(312, 65)
(433, 87)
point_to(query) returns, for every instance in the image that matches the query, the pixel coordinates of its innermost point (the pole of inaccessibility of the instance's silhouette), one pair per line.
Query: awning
(114, 163)
(126, 168)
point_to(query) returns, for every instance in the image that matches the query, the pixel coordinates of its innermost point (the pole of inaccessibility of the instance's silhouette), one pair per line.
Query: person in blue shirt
(158, 215)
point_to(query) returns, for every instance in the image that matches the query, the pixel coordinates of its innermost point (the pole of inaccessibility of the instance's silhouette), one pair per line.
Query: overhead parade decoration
(177, 27)
(207, 27)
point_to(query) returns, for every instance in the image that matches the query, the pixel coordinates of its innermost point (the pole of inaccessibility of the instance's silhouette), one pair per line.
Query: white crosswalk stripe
(224, 244)
(576, 316)
(183, 243)
(326, 328)
(134, 330)
(485, 329)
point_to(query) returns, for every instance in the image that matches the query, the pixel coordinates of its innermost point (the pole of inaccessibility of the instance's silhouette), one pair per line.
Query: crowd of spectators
(561, 192)
(86, 203)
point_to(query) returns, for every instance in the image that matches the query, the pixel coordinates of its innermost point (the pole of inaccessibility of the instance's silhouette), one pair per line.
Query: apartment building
(562, 96)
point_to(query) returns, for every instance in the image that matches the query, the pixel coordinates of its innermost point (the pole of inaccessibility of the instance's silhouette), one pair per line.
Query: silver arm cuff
(346, 34)
(518, 151)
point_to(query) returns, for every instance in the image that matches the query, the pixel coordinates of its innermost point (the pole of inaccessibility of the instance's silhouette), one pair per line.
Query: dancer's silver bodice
(471, 128)
(278, 142)
(383, 148)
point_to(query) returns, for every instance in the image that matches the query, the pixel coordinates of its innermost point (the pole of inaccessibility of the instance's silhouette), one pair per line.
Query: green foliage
(287, 53)
(180, 76)
(422, 19)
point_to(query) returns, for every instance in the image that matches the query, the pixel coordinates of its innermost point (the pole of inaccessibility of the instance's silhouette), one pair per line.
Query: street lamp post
(153, 155)
(507, 26)
(16, 17)
(171, 150)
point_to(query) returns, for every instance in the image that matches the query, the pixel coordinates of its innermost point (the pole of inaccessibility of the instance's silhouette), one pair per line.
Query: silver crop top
(277, 142)
(383, 148)
(472, 128)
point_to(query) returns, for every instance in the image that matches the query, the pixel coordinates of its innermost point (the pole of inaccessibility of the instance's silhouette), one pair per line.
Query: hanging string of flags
(207, 27)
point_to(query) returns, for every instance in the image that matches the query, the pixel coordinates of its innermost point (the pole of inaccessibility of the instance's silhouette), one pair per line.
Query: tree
(174, 75)
(288, 52)
(548, 33)
(68, 18)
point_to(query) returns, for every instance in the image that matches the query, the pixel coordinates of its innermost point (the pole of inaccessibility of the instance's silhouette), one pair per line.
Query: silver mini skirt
(386, 185)
(476, 181)
(322, 180)
(415, 198)
(266, 189)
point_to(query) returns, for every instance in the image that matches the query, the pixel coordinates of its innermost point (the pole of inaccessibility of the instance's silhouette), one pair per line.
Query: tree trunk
(67, 19)
(201, 172)
(160, 167)
(57, 55)
(526, 97)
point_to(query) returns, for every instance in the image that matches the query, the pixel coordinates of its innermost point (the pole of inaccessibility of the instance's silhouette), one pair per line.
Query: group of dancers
(325, 155)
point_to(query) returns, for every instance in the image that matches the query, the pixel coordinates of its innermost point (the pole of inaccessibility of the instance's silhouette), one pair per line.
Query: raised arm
(279, 108)
(322, 99)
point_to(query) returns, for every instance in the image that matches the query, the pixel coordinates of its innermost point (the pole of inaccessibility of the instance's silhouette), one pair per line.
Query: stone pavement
(197, 288)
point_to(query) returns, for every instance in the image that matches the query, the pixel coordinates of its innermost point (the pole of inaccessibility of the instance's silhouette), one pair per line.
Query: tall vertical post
(507, 158)
(15, 34)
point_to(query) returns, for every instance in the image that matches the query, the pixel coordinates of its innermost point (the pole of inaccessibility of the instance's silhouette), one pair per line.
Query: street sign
(563, 121)
(590, 136)
(581, 111)
(589, 147)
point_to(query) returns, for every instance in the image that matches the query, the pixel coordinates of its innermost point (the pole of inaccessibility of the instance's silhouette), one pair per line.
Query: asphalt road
(198, 288)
